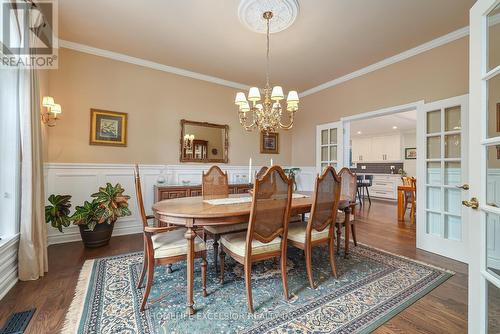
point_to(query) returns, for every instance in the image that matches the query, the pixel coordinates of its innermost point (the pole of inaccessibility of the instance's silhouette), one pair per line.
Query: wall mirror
(204, 142)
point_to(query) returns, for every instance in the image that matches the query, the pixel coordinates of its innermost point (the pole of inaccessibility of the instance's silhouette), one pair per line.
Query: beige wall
(155, 102)
(436, 74)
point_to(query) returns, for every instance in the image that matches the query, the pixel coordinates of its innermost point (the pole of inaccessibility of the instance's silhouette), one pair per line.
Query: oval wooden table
(193, 212)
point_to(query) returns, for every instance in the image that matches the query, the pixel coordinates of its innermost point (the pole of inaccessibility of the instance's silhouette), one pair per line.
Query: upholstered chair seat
(173, 243)
(236, 243)
(297, 233)
(226, 228)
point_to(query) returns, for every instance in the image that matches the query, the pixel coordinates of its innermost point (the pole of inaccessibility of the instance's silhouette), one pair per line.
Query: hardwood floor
(444, 310)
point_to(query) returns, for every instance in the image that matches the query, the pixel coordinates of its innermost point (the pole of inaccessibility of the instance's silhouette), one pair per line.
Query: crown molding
(445, 39)
(150, 64)
(440, 41)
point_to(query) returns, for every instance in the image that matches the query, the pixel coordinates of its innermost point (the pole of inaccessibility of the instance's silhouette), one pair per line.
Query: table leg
(347, 223)
(401, 213)
(190, 235)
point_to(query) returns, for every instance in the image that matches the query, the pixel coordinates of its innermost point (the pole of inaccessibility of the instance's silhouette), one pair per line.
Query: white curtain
(32, 255)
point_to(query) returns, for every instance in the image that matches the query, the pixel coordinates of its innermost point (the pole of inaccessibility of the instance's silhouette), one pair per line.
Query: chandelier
(268, 116)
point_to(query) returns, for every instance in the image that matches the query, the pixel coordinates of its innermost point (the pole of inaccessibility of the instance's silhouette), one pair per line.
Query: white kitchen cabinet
(386, 148)
(361, 149)
(385, 186)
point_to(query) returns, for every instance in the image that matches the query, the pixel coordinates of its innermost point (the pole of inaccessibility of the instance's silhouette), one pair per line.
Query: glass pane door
(440, 182)
(484, 120)
(329, 146)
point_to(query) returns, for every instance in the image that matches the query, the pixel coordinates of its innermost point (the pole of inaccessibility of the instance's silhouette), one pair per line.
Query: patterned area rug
(372, 286)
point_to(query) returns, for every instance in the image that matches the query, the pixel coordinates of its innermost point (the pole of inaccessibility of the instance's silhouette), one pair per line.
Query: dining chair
(261, 172)
(164, 246)
(215, 185)
(319, 229)
(266, 236)
(410, 196)
(348, 192)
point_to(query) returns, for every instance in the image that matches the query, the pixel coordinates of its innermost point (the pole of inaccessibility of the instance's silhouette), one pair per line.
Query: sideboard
(164, 191)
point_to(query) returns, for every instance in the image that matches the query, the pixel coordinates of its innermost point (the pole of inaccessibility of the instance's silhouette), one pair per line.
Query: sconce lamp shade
(254, 94)
(56, 109)
(48, 101)
(277, 93)
(292, 96)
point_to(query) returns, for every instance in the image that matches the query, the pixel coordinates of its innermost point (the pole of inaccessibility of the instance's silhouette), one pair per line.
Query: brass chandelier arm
(290, 125)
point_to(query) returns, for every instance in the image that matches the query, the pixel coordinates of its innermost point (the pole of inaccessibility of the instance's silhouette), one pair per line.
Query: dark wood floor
(444, 310)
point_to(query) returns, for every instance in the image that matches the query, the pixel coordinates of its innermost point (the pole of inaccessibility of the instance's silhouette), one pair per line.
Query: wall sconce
(188, 144)
(49, 117)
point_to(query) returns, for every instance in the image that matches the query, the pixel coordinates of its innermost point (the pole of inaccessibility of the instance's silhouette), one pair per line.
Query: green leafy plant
(57, 213)
(107, 205)
(86, 214)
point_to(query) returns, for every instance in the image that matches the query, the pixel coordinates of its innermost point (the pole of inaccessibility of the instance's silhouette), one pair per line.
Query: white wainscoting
(8, 265)
(81, 180)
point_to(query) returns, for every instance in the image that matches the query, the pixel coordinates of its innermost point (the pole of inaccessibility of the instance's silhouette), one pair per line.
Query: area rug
(372, 286)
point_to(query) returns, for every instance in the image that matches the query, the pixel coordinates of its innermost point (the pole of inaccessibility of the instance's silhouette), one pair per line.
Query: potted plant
(95, 219)
(57, 212)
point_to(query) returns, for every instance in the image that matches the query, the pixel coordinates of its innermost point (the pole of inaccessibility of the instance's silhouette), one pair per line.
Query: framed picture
(411, 153)
(269, 143)
(108, 128)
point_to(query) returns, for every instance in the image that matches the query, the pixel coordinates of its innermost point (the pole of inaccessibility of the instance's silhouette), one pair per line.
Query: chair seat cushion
(173, 243)
(341, 217)
(297, 233)
(235, 242)
(223, 229)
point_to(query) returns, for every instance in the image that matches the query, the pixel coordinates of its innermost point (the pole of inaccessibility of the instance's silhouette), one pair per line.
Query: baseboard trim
(71, 236)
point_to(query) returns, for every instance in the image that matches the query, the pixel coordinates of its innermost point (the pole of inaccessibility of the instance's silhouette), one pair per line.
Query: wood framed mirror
(204, 142)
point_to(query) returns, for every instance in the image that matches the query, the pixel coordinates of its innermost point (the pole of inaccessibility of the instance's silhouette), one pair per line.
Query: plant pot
(99, 237)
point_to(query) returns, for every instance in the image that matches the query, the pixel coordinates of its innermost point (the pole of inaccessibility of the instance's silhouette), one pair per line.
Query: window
(9, 154)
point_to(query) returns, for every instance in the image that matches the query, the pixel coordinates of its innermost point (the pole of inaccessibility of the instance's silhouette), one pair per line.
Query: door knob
(473, 203)
(464, 186)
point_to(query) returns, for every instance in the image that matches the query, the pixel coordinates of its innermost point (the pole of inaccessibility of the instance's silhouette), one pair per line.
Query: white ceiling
(404, 122)
(330, 38)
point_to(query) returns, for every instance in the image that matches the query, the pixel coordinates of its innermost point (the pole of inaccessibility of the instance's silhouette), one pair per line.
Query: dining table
(195, 212)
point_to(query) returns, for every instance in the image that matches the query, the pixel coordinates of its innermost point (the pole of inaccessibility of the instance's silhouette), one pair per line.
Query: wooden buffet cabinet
(163, 192)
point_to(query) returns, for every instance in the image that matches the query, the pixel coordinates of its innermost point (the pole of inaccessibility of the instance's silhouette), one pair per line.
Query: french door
(442, 222)
(329, 146)
(484, 74)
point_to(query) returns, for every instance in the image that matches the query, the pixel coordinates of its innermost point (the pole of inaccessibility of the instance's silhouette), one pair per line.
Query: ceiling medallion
(284, 14)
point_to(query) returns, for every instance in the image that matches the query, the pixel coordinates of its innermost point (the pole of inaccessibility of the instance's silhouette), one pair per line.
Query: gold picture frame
(269, 143)
(108, 128)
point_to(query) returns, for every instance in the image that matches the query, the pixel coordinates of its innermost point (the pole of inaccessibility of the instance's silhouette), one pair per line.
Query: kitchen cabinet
(386, 148)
